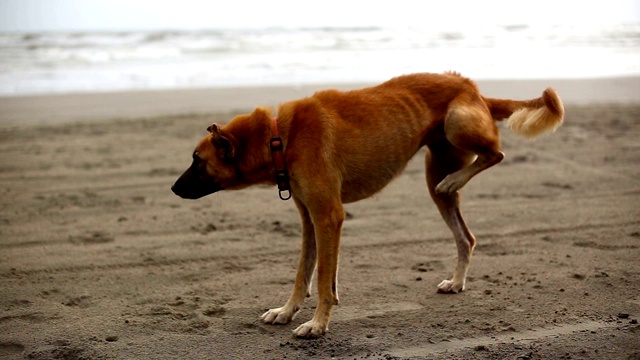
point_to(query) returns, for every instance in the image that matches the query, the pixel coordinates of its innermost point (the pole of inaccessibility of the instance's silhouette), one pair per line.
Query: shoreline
(102, 106)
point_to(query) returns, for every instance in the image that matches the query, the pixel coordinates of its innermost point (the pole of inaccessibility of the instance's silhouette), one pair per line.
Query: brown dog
(342, 147)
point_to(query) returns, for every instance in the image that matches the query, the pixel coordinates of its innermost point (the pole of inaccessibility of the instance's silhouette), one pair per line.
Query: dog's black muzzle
(194, 186)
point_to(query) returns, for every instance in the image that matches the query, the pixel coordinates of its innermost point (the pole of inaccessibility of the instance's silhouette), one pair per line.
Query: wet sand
(99, 260)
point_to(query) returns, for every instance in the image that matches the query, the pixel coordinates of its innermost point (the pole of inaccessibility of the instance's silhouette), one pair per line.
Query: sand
(99, 260)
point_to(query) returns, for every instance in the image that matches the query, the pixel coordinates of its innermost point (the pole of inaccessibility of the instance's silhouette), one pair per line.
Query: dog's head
(213, 167)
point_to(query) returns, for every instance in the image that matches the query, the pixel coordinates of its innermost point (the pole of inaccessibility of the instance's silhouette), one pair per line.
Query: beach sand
(99, 260)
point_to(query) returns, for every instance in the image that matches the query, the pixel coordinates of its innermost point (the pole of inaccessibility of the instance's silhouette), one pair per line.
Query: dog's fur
(342, 147)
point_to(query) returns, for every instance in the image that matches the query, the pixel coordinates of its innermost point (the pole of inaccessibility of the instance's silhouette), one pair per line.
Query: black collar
(277, 153)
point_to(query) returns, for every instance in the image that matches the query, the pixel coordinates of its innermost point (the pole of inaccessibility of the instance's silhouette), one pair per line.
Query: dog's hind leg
(306, 268)
(441, 160)
(470, 127)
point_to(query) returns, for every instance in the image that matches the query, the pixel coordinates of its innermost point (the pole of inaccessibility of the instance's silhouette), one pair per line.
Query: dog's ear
(222, 142)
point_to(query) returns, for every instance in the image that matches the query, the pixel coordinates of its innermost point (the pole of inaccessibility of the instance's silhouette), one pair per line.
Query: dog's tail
(529, 118)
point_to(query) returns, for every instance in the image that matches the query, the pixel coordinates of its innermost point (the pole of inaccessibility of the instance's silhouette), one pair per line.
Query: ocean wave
(104, 61)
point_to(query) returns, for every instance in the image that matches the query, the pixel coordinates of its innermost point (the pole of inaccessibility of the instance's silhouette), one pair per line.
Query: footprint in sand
(10, 348)
(94, 237)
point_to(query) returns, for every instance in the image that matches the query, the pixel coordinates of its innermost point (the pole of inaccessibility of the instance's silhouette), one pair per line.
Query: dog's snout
(179, 187)
(190, 187)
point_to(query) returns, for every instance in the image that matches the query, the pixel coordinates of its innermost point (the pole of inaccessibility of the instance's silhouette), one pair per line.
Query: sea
(76, 62)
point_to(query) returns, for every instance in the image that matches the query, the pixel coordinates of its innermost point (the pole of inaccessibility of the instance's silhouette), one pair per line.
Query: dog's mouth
(194, 192)
(194, 187)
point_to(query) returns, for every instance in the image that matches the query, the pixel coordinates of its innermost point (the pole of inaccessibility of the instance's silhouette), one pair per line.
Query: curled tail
(529, 118)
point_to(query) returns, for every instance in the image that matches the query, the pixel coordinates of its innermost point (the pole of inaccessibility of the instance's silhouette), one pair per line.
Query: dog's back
(373, 131)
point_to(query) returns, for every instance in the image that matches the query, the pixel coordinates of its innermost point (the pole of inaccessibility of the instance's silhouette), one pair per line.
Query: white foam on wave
(77, 62)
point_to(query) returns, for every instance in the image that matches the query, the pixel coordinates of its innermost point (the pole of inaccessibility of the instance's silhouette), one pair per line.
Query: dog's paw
(311, 329)
(450, 184)
(282, 315)
(449, 287)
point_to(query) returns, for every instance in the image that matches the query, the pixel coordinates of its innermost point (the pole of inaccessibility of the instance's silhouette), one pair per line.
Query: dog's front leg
(328, 225)
(306, 267)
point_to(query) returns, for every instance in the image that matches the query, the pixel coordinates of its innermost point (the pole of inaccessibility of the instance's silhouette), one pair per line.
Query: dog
(338, 147)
